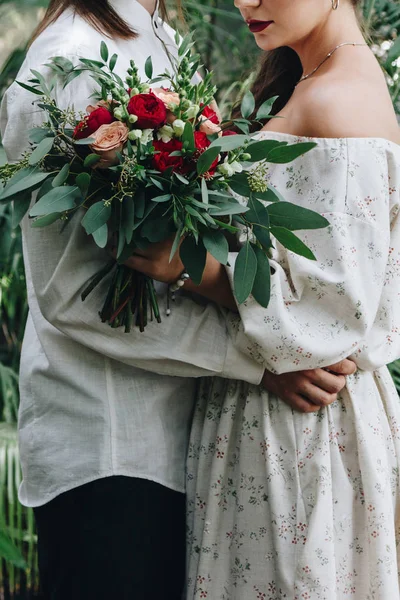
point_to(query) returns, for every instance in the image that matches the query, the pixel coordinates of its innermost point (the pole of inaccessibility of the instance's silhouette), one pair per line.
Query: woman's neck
(149, 5)
(341, 26)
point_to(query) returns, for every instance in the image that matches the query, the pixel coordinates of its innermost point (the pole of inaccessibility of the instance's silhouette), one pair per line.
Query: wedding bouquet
(146, 163)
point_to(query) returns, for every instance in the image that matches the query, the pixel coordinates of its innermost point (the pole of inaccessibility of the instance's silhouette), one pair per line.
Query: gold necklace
(328, 56)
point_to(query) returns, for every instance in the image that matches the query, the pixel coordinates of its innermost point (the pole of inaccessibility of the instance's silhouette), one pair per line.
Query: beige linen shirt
(97, 402)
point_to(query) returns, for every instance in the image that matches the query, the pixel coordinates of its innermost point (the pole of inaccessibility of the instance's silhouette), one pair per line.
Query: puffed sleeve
(343, 304)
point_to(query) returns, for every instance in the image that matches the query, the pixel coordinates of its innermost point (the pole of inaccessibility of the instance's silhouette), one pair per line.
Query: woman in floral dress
(283, 504)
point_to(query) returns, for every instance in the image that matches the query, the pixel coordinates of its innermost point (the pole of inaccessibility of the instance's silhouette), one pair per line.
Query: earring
(335, 4)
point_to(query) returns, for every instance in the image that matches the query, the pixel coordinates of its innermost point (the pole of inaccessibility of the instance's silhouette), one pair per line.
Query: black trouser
(117, 538)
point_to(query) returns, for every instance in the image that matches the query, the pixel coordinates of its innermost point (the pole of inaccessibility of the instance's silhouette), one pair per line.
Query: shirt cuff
(241, 367)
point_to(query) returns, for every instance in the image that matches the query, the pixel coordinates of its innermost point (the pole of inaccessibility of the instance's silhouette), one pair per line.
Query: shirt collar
(135, 14)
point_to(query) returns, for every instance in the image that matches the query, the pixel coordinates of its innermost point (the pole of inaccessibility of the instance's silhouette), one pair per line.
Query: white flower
(165, 134)
(228, 169)
(118, 114)
(145, 88)
(193, 111)
(135, 134)
(178, 127)
(133, 118)
(147, 136)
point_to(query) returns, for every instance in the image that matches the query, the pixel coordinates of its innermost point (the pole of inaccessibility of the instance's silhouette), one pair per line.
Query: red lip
(257, 26)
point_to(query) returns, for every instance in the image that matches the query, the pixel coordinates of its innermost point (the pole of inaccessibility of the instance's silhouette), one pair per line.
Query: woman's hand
(309, 391)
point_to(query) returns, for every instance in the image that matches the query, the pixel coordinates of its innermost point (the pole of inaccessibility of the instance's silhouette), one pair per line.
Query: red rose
(211, 115)
(151, 111)
(98, 117)
(228, 132)
(201, 140)
(163, 161)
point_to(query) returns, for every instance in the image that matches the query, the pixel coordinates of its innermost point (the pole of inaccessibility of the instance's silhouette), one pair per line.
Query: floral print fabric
(285, 505)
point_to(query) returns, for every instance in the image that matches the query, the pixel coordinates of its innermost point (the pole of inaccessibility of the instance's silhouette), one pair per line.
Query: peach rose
(109, 139)
(208, 127)
(168, 98)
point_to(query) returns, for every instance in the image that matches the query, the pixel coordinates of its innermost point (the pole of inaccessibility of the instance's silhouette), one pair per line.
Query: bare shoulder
(340, 107)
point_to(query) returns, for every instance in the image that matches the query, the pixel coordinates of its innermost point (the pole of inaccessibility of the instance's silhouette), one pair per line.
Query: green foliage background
(228, 48)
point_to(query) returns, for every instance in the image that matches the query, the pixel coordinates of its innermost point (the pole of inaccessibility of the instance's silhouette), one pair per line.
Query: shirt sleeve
(325, 310)
(192, 342)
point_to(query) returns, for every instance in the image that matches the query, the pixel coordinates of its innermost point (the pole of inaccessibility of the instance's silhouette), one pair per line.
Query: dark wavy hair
(98, 13)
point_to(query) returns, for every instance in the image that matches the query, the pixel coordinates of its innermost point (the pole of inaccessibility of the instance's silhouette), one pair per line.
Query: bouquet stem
(130, 294)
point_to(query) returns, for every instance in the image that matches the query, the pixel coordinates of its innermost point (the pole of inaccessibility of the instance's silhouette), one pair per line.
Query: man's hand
(309, 391)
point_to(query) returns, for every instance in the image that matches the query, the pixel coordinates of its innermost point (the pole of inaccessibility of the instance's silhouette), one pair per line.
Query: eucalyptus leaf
(84, 141)
(294, 217)
(194, 258)
(20, 208)
(28, 182)
(217, 245)
(176, 243)
(100, 236)
(290, 241)
(257, 212)
(29, 88)
(46, 220)
(83, 182)
(248, 104)
(58, 199)
(230, 142)
(95, 217)
(271, 195)
(41, 150)
(139, 203)
(113, 62)
(204, 191)
(288, 153)
(164, 198)
(244, 272)
(38, 134)
(188, 137)
(62, 176)
(228, 209)
(91, 160)
(262, 282)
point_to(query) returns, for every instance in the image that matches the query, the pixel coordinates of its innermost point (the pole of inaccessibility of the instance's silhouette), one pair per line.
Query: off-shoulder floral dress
(285, 505)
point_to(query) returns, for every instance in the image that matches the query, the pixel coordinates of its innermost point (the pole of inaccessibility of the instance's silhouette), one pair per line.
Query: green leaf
(156, 230)
(98, 214)
(188, 137)
(271, 195)
(100, 236)
(128, 218)
(265, 109)
(263, 236)
(257, 212)
(46, 220)
(185, 45)
(30, 88)
(290, 241)
(84, 142)
(148, 68)
(230, 142)
(262, 282)
(38, 134)
(176, 243)
(217, 245)
(194, 258)
(113, 62)
(29, 181)
(57, 200)
(10, 553)
(83, 182)
(41, 151)
(244, 273)
(293, 217)
(248, 105)
(63, 62)
(228, 209)
(104, 51)
(164, 198)
(62, 176)
(204, 191)
(206, 160)
(91, 159)
(139, 203)
(288, 153)
(230, 228)
(260, 150)
(181, 178)
(20, 208)
(239, 183)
